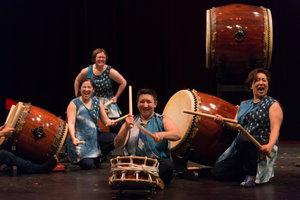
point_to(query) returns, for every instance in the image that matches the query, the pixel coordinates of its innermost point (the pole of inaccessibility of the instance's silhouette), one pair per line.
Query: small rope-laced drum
(202, 139)
(134, 172)
(38, 133)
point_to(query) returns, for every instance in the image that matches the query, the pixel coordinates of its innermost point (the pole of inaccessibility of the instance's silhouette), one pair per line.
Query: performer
(83, 113)
(8, 159)
(103, 76)
(140, 144)
(262, 117)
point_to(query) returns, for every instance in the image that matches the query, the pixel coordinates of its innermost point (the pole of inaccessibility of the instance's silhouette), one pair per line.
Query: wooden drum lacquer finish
(202, 139)
(38, 133)
(239, 38)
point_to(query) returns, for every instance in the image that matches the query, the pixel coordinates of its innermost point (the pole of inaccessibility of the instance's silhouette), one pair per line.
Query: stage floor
(77, 184)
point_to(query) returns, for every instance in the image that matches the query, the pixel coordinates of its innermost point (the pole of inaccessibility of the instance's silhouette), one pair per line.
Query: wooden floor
(77, 184)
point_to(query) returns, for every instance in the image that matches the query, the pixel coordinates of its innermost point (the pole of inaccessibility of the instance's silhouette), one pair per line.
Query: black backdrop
(154, 43)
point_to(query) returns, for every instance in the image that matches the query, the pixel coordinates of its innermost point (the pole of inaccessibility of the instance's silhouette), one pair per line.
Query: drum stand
(181, 168)
(14, 167)
(225, 87)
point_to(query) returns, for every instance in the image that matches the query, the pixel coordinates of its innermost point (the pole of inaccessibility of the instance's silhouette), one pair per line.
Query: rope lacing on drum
(124, 167)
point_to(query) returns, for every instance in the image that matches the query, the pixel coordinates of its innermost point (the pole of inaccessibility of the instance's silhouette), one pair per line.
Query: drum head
(182, 100)
(13, 117)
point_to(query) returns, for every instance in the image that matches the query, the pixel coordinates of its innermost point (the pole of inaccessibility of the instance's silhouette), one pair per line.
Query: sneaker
(248, 182)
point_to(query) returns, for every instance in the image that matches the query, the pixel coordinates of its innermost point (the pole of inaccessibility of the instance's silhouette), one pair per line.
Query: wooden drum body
(38, 133)
(202, 139)
(134, 172)
(239, 38)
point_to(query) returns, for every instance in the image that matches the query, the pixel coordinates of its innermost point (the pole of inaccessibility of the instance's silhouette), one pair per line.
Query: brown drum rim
(208, 38)
(268, 36)
(61, 140)
(188, 133)
(192, 130)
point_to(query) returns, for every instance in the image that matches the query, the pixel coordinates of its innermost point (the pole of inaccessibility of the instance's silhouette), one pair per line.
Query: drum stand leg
(181, 163)
(14, 167)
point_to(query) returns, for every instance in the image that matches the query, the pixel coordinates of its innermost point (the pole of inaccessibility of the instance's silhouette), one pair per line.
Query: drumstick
(244, 131)
(130, 99)
(146, 131)
(108, 103)
(120, 119)
(80, 142)
(209, 116)
(130, 102)
(250, 137)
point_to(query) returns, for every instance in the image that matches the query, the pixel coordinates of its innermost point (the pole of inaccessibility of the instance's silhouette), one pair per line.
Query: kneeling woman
(82, 114)
(137, 143)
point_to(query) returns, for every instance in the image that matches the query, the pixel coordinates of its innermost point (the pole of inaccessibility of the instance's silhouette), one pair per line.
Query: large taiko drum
(239, 38)
(38, 133)
(202, 139)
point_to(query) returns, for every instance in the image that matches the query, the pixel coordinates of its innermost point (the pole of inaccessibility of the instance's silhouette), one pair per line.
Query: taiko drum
(239, 38)
(38, 135)
(202, 139)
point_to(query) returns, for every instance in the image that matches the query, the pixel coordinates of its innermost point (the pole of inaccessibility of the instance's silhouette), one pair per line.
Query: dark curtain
(153, 43)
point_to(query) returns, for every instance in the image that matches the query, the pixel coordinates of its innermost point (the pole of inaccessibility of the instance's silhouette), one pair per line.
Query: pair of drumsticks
(238, 126)
(144, 130)
(130, 113)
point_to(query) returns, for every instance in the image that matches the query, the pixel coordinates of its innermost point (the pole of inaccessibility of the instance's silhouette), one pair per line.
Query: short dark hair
(84, 80)
(96, 51)
(252, 76)
(147, 91)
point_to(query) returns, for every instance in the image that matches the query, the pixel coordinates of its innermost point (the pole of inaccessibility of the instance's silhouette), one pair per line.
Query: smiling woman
(154, 142)
(83, 113)
(262, 117)
(103, 77)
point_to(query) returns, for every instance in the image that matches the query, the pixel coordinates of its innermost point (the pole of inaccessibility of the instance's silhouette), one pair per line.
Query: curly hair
(252, 76)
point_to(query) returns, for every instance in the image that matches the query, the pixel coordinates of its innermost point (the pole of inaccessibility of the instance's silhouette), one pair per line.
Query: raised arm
(78, 78)
(231, 126)
(104, 118)
(122, 137)
(118, 78)
(171, 131)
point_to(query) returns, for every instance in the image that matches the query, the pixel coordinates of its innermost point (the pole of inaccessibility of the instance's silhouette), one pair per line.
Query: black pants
(87, 163)
(25, 166)
(166, 168)
(106, 142)
(242, 164)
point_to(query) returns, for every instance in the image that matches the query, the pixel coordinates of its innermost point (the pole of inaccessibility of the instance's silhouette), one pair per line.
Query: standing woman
(83, 113)
(261, 116)
(103, 76)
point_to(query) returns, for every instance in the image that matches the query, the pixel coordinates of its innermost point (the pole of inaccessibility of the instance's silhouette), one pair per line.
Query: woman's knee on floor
(87, 163)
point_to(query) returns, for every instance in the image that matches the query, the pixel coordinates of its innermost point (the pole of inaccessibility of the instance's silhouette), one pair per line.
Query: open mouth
(261, 89)
(86, 93)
